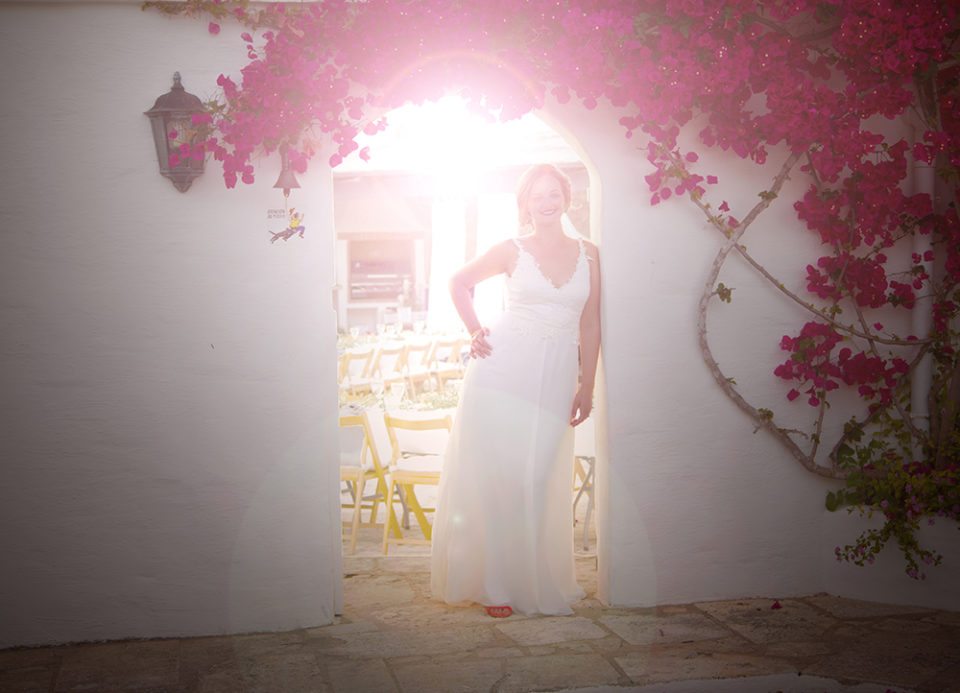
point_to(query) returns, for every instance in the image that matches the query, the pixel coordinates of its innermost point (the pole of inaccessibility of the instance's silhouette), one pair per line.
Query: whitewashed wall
(692, 505)
(168, 402)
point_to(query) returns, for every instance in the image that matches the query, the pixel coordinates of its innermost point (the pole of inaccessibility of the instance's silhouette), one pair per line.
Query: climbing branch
(726, 384)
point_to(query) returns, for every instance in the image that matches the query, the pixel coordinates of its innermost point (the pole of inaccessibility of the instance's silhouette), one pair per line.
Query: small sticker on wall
(276, 214)
(294, 227)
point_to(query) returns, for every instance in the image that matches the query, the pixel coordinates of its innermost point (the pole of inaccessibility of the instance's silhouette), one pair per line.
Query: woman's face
(546, 202)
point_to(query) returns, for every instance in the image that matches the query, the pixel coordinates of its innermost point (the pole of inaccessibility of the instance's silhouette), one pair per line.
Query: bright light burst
(455, 146)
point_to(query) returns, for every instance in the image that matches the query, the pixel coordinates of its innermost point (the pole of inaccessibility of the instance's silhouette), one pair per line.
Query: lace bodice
(537, 307)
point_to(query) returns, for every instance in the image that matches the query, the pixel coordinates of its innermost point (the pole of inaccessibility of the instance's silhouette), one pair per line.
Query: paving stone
(431, 614)
(947, 681)
(611, 643)
(410, 643)
(587, 603)
(420, 583)
(553, 671)
(340, 629)
(295, 672)
(365, 592)
(356, 565)
(26, 680)
(804, 649)
(864, 654)
(540, 650)
(260, 644)
(227, 679)
(734, 644)
(492, 652)
(647, 629)
(451, 656)
(462, 677)
(359, 676)
(755, 620)
(689, 661)
(947, 618)
(202, 656)
(403, 564)
(778, 683)
(551, 629)
(855, 608)
(586, 572)
(903, 626)
(119, 666)
(23, 657)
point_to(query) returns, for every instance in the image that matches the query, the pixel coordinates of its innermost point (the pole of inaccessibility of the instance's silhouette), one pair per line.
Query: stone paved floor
(393, 639)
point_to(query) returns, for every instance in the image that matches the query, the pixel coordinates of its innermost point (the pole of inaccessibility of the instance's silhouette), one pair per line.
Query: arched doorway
(432, 191)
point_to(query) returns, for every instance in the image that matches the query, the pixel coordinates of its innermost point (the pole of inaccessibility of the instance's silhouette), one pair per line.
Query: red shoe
(499, 611)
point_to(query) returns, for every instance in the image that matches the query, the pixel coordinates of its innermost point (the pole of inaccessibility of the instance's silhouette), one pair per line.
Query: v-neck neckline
(536, 264)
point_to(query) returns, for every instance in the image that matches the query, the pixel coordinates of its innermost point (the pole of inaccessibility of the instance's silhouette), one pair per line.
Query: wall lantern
(172, 128)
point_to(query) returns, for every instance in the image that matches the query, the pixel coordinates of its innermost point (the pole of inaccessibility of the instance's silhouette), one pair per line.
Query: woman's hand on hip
(479, 346)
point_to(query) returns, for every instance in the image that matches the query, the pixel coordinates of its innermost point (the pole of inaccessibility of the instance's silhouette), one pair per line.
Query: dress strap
(583, 250)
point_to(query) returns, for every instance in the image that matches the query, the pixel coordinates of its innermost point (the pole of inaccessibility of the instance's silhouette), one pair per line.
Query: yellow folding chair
(412, 463)
(353, 372)
(446, 360)
(584, 472)
(417, 365)
(388, 365)
(360, 464)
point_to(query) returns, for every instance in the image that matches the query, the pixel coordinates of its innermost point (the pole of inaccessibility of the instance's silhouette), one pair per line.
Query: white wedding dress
(503, 530)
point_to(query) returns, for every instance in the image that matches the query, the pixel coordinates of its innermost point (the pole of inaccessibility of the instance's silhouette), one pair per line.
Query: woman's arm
(589, 342)
(494, 261)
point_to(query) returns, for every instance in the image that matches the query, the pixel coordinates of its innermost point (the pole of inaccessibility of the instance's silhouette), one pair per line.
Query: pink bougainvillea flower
(213, 28)
(724, 207)
(174, 160)
(692, 157)
(173, 134)
(711, 180)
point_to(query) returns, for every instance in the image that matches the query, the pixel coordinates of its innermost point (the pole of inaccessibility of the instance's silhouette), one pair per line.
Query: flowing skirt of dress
(503, 530)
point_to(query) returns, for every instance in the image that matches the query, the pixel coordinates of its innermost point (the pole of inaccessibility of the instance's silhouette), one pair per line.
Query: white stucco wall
(169, 400)
(169, 393)
(692, 505)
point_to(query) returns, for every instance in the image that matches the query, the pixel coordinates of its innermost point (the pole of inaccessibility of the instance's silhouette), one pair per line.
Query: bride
(503, 531)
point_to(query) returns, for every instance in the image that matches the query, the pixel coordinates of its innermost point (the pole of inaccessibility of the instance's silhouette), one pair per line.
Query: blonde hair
(526, 182)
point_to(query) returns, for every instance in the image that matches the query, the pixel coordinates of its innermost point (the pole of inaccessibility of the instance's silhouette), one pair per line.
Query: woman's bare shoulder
(504, 254)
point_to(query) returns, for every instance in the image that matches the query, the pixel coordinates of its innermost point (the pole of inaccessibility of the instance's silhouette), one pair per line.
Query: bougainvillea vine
(807, 82)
